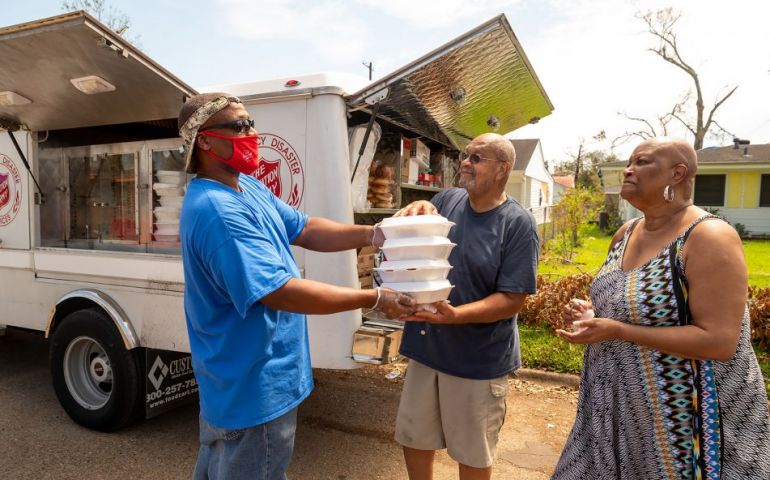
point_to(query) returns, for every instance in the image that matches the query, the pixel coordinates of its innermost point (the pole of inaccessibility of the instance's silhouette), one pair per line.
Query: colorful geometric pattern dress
(647, 415)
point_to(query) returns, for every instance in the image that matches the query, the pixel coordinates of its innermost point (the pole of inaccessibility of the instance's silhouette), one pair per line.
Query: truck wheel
(98, 382)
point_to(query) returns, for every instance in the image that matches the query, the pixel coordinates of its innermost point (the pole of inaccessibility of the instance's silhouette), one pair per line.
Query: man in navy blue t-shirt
(460, 357)
(245, 302)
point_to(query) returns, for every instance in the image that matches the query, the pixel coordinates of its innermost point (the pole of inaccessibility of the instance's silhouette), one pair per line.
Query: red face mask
(245, 157)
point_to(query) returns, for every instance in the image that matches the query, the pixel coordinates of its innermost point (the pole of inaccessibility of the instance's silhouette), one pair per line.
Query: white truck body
(59, 251)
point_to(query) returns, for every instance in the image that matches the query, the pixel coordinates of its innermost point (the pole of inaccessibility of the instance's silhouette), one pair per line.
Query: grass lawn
(758, 260)
(591, 254)
(540, 348)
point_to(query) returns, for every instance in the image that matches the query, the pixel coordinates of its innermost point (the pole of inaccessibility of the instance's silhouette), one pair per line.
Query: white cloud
(436, 13)
(331, 29)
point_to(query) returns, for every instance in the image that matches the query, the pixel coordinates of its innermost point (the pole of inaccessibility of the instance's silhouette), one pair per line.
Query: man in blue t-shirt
(460, 357)
(245, 302)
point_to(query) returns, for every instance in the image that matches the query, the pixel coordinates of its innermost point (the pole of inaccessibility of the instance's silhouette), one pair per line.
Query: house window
(710, 190)
(764, 191)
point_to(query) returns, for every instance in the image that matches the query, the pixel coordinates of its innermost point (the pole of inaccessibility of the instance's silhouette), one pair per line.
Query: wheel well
(111, 311)
(68, 306)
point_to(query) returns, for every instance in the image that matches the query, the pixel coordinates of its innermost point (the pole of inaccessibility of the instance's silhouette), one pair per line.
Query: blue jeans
(262, 452)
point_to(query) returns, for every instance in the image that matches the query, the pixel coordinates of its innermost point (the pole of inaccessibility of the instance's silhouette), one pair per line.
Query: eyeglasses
(240, 125)
(475, 158)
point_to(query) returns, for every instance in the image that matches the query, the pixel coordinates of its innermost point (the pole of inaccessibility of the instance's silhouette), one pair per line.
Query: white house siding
(756, 220)
(526, 183)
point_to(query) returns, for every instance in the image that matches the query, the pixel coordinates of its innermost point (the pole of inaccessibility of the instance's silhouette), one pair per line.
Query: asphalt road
(345, 429)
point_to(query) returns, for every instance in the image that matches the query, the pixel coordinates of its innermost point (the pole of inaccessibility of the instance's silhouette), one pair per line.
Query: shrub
(544, 307)
(759, 310)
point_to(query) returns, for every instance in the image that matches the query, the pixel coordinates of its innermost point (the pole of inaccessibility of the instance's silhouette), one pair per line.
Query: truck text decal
(280, 169)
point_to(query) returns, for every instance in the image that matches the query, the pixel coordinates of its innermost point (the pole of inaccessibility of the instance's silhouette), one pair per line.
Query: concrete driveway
(345, 429)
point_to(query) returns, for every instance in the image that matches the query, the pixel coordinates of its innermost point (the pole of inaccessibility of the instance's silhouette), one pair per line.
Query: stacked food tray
(170, 190)
(416, 250)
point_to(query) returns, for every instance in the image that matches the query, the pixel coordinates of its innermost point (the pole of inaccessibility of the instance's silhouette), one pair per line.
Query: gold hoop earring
(668, 193)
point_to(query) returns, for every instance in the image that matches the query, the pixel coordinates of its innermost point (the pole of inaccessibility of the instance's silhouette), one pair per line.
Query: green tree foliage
(587, 162)
(575, 210)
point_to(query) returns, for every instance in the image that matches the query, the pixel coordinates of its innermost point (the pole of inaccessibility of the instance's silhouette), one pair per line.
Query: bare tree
(113, 18)
(650, 129)
(660, 24)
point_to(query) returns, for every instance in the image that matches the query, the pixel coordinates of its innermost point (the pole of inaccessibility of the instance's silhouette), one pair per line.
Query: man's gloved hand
(378, 238)
(394, 304)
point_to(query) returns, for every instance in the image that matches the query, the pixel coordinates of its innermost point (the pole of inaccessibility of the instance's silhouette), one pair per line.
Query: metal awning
(38, 59)
(477, 83)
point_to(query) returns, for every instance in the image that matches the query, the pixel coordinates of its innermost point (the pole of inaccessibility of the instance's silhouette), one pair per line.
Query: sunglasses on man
(240, 125)
(475, 158)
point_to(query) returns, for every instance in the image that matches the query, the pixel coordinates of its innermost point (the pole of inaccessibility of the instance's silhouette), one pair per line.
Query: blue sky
(590, 55)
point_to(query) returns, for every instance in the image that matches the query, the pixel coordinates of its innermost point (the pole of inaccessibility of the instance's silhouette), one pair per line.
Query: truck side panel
(16, 189)
(303, 148)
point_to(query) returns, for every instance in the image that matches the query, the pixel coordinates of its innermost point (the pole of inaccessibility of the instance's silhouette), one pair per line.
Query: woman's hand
(577, 309)
(593, 330)
(420, 207)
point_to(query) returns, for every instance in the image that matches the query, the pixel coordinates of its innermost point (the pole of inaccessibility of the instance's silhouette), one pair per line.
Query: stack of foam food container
(170, 190)
(416, 251)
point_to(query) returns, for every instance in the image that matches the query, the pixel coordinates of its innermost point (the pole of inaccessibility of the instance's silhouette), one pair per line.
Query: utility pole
(369, 67)
(577, 163)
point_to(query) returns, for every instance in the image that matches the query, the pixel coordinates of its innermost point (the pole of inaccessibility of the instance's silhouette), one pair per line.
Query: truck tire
(98, 382)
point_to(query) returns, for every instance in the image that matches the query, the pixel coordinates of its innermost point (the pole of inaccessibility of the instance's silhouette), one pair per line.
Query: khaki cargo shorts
(443, 411)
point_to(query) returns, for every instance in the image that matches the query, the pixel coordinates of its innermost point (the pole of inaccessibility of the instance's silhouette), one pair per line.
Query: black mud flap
(169, 381)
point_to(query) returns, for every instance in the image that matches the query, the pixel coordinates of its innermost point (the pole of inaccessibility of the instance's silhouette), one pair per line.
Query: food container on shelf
(168, 189)
(171, 177)
(174, 201)
(417, 248)
(428, 291)
(166, 228)
(163, 214)
(415, 226)
(413, 270)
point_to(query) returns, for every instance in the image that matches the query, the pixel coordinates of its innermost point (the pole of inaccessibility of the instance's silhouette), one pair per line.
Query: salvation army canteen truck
(91, 181)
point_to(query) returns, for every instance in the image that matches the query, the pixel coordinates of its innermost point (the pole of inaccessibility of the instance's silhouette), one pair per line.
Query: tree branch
(652, 131)
(717, 105)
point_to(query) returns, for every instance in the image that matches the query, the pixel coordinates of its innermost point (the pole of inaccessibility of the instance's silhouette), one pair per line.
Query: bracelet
(377, 303)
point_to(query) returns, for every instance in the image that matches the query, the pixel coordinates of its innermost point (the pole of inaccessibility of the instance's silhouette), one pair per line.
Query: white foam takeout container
(413, 270)
(168, 189)
(429, 291)
(166, 214)
(415, 226)
(167, 201)
(417, 248)
(171, 177)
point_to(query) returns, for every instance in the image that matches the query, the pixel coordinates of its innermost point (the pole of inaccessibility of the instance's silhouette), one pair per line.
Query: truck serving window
(103, 200)
(119, 197)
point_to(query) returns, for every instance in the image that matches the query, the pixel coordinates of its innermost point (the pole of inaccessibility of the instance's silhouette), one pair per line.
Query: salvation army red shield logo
(10, 190)
(269, 173)
(280, 169)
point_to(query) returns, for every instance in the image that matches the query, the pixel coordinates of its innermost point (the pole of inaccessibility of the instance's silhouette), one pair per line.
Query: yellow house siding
(734, 186)
(742, 189)
(751, 184)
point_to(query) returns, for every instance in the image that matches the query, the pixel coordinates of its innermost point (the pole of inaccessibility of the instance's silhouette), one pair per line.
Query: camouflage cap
(189, 130)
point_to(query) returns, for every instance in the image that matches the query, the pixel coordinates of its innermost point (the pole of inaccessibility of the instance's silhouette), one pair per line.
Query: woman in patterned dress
(671, 388)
